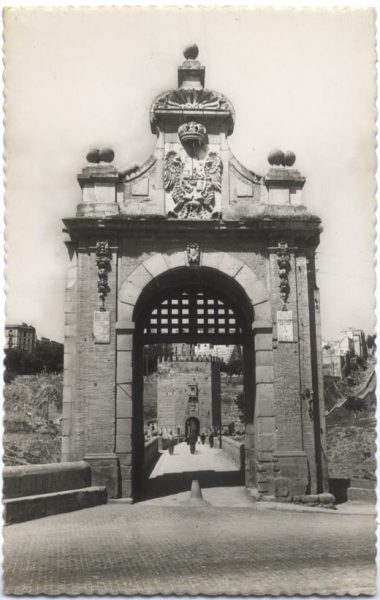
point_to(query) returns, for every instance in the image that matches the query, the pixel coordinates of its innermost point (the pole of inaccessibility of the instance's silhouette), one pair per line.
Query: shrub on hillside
(47, 356)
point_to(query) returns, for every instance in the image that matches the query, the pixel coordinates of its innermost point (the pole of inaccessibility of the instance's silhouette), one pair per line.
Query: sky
(302, 80)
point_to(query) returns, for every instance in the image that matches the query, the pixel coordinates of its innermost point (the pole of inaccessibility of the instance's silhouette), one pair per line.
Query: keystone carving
(283, 261)
(193, 252)
(193, 185)
(103, 262)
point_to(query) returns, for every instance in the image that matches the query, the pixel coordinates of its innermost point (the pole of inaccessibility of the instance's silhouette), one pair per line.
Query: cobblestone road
(141, 549)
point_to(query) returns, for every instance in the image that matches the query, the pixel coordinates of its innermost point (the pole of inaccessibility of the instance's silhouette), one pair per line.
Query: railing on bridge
(234, 450)
(151, 454)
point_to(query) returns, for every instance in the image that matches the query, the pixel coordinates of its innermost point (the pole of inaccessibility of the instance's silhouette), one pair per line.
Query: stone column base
(292, 473)
(104, 471)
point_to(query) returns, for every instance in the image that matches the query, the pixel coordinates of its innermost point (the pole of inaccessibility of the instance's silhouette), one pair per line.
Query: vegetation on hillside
(32, 423)
(47, 356)
(351, 424)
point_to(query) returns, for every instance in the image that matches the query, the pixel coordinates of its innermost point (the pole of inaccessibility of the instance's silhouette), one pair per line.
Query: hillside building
(22, 337)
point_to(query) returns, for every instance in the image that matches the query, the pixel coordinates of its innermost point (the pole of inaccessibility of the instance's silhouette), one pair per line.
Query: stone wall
(234, 450)
(31, 480)
(150, 455)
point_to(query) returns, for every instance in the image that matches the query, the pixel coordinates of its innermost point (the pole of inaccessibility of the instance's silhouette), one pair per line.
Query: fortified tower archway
(192, 224)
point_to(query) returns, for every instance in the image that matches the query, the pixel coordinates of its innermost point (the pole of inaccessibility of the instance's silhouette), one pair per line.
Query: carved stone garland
(283, 261)
(103, 261)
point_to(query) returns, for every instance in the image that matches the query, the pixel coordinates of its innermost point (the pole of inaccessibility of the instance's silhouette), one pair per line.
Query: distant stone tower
(188, 390)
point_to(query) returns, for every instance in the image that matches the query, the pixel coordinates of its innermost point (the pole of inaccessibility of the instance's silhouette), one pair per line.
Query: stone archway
(236, 279)
(253, 232)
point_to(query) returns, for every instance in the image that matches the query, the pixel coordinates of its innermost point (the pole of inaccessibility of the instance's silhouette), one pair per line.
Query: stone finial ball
(93, 155)
(191, 52)
(290, 158)
(276, 157)
(106, 154)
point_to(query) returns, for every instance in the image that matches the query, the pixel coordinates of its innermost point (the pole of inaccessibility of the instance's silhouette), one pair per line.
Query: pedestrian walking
(211, 439)
(203, 438)
(171, 442)
(192, 441)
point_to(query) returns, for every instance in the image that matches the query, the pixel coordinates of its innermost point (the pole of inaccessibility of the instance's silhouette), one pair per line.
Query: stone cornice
(261, 231)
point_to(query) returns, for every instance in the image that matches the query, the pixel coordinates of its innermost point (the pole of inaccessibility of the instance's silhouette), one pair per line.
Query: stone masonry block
(263, 341)
(175, 260)
(262, 311)
(124, 401)
(65, 448)
(124, 341)
(156, 265)
(264, 358)
(264, 374)
(249, 440)
(126, 488)
(125, 314)
(265, 407)
(281, 488)
(126, 472)
(68, 361)
(65, 427)
(123, 426)
(123, 443)
(129, 293)
(264, 391)
(266, 442)
(140, 277)
(69, 306)
(230, 265)
(70, 330)
(70, 318)
(212, 259)
(124, 367)
(265, 400)
(265, 457)
(247, 279)
(259, 293)
(266, 425)
(261, 478)
(125, 460)
(66, 404)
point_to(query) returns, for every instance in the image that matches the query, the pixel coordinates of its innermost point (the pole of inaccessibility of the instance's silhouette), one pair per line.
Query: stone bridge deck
(140, 549)
(204, 459)
(173, 474)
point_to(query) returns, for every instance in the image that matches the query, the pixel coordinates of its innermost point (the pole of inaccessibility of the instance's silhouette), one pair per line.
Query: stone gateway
(192, 247)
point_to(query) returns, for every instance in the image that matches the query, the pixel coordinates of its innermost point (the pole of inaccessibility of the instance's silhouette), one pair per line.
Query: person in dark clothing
(192, 441)
(211, 439)
(171, 443)
(203, 438)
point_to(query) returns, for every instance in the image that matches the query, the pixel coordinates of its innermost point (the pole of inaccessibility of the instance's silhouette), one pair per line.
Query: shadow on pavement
(173, 483)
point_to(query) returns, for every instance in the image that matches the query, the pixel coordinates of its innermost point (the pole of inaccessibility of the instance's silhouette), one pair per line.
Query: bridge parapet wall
(150, 455)
(31, 480)
(234, 450)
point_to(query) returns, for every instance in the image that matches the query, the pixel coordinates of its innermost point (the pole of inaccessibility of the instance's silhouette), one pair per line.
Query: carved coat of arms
(193, 184)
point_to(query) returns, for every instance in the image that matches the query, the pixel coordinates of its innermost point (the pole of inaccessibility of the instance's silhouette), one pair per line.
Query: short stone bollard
(196, 498)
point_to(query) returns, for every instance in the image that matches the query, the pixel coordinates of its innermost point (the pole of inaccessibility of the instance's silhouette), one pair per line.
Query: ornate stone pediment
(192, 99)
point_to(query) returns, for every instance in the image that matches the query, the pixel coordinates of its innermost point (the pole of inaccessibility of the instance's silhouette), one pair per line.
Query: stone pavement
(144, 549)
(204, 459)
(174, 473)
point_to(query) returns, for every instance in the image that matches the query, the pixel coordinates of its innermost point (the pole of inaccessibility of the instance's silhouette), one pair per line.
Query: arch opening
(193, 308)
